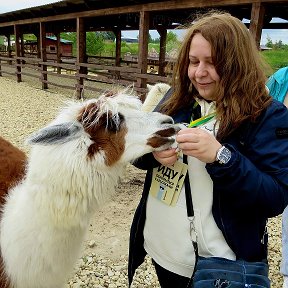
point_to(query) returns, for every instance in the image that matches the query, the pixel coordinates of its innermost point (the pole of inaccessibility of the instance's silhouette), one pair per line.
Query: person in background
(237, 156)
(278, 85)
(278, 89)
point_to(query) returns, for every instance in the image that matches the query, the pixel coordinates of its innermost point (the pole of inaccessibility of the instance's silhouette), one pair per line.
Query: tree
(94, 43)
(150, 40)
(108, 35)
(71, 36)
(269, 42)
(278, 44)
(172, 42)
(156, 40)
(171, 37)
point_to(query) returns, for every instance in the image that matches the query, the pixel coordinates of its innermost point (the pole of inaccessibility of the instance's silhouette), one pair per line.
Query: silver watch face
(223, 155)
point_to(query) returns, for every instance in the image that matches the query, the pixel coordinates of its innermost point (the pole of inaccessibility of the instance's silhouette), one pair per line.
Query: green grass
(276, 58)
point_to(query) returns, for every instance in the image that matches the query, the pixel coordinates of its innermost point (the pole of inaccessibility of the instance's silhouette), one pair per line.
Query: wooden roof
(124, 14)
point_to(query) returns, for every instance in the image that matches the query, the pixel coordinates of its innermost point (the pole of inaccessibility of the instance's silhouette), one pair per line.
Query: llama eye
(112, 126)
(114, 123)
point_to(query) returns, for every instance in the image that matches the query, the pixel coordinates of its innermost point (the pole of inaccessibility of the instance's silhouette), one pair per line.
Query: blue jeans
(168, 279)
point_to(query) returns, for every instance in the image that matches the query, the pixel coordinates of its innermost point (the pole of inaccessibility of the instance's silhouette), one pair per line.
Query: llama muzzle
(164, 138)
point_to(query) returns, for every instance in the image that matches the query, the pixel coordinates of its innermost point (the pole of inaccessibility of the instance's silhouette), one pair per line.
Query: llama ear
(149, 87)
(56, 134)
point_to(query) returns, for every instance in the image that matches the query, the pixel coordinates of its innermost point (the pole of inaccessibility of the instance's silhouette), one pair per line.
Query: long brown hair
(241, 93)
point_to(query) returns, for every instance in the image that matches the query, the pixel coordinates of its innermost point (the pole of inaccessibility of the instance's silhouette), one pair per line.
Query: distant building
(129, 40)
(66, 47)
(263, 48)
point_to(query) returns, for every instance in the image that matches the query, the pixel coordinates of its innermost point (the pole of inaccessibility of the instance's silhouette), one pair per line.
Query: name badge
(167, 182)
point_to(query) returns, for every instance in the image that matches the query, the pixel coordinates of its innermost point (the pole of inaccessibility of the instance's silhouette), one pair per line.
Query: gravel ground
(24, 108)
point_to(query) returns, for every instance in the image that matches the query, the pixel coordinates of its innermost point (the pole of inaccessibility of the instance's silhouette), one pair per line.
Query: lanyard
(201, 120)
(190, 212)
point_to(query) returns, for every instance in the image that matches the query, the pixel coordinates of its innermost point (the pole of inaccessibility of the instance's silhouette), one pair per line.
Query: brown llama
(12, 168)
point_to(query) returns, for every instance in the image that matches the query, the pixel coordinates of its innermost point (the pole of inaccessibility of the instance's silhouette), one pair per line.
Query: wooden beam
(118, 51)
(157, 6)
(22, 51)
(81, 55)
(118, 47)
(37, 34)
(17, 52)
(58, 47)
(38, 47)
(256, 22)
(163, 36)
(43, 55)
(143, 47)
(9, 50)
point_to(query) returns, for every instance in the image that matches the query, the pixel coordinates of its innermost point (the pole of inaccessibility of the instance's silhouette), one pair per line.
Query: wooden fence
(81, 74)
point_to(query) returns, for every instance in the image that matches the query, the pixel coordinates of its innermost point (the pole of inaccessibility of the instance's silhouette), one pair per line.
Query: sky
(12, 5)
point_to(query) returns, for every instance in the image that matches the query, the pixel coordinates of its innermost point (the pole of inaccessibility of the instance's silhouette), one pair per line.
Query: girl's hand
(198, 143)
(166, 157)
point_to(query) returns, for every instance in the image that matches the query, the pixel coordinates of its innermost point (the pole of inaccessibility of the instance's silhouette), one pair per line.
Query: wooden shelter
(82, 16)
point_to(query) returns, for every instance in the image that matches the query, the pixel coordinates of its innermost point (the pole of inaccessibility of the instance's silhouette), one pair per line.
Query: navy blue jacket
(252, 187)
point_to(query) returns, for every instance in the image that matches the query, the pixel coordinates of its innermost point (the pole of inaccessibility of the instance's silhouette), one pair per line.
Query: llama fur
(74, 165)
(154, 95)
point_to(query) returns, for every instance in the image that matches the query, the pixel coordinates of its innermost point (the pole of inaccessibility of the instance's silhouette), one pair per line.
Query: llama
(12, 170)
(154, 95)
(74, 165)
(12, 167)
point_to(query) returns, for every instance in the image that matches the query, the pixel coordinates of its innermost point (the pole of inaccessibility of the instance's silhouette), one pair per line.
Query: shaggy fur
(74, 166)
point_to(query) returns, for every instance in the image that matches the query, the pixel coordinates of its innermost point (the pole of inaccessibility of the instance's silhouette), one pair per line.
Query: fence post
(143, 47)
(81, 56)
(17, 52)
(43, 55)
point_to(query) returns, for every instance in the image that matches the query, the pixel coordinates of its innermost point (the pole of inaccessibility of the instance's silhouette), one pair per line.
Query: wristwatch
(223, 155)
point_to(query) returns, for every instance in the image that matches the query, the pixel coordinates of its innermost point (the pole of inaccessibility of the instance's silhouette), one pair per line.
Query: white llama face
(113, 127)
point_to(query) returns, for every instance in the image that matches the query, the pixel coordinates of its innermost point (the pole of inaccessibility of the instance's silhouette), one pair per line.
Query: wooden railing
(80, 74)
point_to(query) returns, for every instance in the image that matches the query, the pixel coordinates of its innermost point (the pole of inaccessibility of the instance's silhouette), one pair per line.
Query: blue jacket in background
(278, 88)
(246, 192)
(278, 84)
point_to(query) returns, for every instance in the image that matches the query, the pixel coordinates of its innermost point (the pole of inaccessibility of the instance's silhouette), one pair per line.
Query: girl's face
(201, 70)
